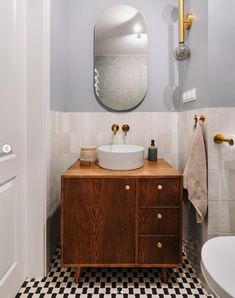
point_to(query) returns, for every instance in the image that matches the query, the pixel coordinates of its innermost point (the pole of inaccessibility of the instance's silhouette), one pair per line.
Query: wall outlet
(189, 95)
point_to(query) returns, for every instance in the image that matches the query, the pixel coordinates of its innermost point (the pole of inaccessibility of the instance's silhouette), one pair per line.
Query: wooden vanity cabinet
(121, 218)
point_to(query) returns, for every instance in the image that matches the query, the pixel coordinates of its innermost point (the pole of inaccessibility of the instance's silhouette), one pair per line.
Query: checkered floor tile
(114, 283)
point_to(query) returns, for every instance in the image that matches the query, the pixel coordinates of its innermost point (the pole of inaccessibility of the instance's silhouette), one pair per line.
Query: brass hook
(196, 119)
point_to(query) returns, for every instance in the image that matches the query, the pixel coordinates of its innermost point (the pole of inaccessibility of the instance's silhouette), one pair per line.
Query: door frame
(38, 124)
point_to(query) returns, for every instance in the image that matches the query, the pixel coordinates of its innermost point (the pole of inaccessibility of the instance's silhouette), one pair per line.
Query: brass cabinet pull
(127, 187)
(159, 245)
(159, 216)
(160, 187)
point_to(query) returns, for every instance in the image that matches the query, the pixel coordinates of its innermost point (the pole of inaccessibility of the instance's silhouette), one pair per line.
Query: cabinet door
(98, 221)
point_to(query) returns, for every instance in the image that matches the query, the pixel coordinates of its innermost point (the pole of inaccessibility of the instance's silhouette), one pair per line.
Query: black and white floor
(114, 283)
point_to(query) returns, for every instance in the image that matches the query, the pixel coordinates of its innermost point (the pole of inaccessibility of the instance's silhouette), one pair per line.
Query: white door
(12, 132)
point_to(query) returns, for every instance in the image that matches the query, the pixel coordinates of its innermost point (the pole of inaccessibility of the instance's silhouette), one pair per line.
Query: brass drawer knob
(127, 187)
(159, 245)
(159, 187)
(159, 216)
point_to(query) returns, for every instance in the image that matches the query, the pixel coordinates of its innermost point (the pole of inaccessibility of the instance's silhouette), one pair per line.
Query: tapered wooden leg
(77, 274)
(164, 275)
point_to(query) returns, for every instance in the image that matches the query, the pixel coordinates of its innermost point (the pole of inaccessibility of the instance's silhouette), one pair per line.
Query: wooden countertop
(158, 169)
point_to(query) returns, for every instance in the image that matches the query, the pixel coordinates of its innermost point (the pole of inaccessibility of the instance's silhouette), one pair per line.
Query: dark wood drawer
(158, 192)
(159, 250)
(159, 221)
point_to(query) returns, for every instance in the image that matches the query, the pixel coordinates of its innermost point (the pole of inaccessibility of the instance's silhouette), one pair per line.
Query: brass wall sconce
(182, 52)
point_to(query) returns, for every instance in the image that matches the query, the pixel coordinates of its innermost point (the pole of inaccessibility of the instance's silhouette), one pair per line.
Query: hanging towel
(195, 174)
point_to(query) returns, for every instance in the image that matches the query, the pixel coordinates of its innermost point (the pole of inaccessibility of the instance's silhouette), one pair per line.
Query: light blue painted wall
(76, 83)
(211, 67)
(59, 10)
(221, 53)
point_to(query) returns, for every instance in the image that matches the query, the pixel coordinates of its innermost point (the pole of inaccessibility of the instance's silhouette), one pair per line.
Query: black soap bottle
(152, 152)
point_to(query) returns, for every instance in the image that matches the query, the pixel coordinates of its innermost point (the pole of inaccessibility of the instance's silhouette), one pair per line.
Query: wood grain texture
(149, 253)
(150, 195)
(150, 224)
(159, 169)
(98, 221)
(105, 225)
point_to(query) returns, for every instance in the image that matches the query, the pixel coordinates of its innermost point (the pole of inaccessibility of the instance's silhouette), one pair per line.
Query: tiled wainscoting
(60, 159)
(221, 179)
(172, 132)
(70, 131)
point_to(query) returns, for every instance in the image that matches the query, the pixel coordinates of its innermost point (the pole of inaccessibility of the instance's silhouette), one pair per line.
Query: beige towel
(195, 174)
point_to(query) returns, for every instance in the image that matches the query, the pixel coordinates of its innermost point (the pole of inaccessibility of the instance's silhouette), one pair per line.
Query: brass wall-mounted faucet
(115, 128)
(125, 128)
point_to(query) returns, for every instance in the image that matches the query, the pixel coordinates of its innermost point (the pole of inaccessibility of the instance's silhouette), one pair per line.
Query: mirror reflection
(120, 63)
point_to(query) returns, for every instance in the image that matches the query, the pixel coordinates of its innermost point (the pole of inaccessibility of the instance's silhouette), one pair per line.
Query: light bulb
(182, 52)
(137, 28)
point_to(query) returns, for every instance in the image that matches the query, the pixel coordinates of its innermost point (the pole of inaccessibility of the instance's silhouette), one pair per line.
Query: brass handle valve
(115, 128)
(125, 128)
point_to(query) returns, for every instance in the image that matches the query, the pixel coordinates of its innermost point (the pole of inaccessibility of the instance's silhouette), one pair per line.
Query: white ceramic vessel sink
(121, 157)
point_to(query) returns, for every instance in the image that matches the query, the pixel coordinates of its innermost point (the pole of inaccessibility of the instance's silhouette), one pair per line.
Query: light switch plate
(189, 95)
